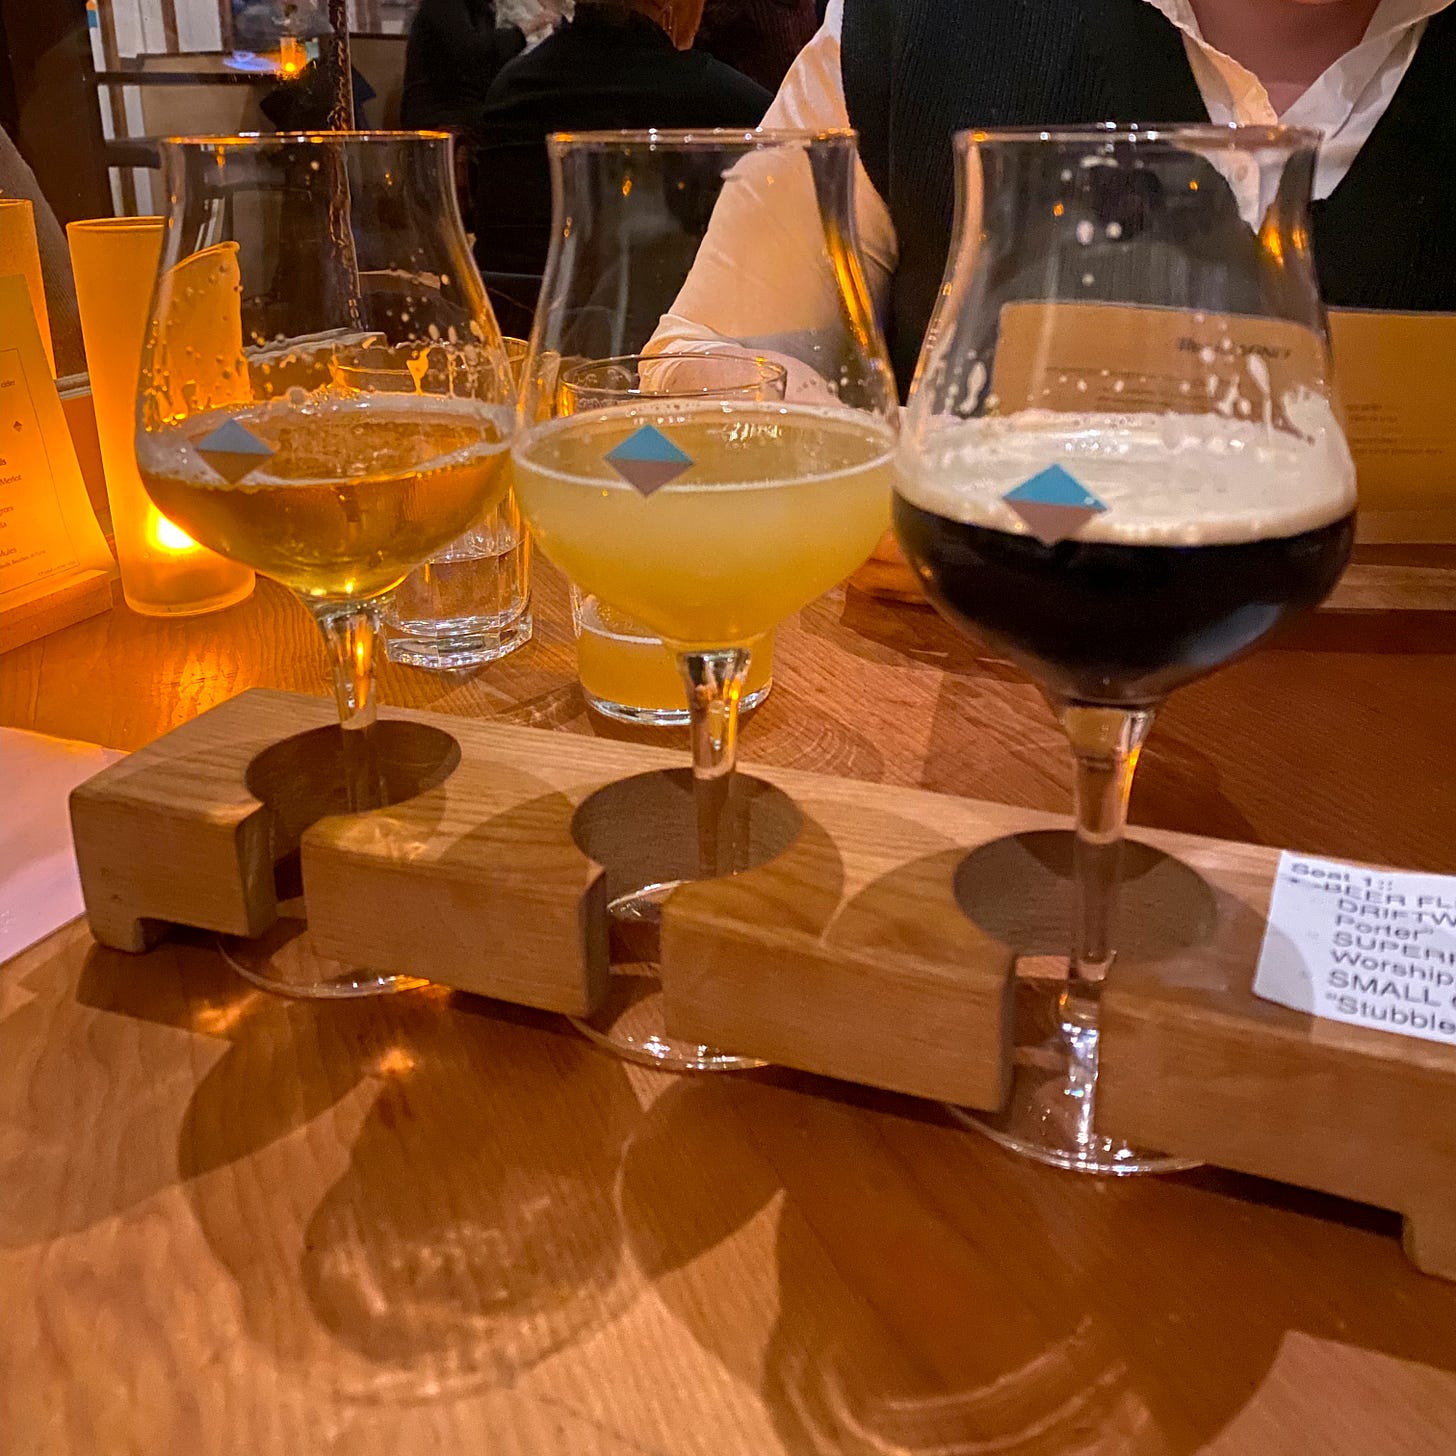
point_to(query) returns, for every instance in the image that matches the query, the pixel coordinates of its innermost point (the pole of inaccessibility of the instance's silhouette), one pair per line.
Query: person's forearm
(748, 282)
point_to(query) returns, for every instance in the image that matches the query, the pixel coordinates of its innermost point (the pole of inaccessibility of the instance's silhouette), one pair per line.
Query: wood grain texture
(86, 594)
(846, 954)
(174, 834)
(232, 1224)
(877, 947)
(1197, 1063)
(1376, 588)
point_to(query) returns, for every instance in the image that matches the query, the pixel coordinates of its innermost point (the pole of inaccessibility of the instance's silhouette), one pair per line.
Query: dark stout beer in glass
(1122, 465)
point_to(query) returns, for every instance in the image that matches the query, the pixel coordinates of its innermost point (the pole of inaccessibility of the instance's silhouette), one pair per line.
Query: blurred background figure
(758, 37)
(17, 180)
(456, 49)
(619, 63)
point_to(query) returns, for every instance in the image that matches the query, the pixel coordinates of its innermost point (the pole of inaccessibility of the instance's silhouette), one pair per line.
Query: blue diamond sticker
(647, 460)
(1055, 487)
(233, 450)
(1054, 504)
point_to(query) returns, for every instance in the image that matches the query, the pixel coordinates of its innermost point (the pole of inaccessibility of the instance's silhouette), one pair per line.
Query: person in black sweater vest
(1385, 209)
(1376, 77)
(758, 37)
(616, 65)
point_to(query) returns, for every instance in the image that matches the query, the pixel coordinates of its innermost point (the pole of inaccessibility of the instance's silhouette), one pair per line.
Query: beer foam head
(1165, 479)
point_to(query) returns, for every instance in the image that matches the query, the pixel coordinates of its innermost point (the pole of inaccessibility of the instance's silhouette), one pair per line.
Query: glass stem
(1106, 743)
(714, 682)
(350, 630)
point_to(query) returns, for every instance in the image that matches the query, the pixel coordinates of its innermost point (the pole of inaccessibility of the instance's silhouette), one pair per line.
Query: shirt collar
(1391, 17)
(1235, 93)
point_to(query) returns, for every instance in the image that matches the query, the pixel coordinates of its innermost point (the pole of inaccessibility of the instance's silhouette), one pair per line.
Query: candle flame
(169, 537)
(292, 57)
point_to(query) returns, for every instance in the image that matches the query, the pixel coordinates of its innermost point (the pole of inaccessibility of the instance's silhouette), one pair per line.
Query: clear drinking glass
(707, 518)
(471, 603)
(342, 409)
(683, 374)
(1122, 466)
(630, 675)
(627, 672)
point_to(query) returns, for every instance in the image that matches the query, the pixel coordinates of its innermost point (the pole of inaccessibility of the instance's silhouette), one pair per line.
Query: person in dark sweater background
(1377, 78)
(621, 64)
(761, 38)
(454, 52)
(1374, 77)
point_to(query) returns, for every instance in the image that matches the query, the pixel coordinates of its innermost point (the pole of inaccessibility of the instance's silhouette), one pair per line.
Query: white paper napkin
(39, 887)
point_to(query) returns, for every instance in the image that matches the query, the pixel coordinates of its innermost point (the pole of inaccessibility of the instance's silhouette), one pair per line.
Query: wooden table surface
(431, 1223)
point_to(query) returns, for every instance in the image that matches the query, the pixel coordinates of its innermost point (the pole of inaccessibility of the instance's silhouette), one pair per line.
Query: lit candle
(292, 57)
(164, 572)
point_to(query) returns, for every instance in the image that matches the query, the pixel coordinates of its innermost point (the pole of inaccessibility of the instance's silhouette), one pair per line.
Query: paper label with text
(1397, 376)
(1119, 358)
(1373, 948)
(48, 532)
(33, 539)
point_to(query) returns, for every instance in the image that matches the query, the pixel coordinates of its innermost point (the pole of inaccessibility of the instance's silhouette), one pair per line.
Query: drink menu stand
(880, 935)
(73, 597)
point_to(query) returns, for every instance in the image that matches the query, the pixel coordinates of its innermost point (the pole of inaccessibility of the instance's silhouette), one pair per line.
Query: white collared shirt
(1344, 105)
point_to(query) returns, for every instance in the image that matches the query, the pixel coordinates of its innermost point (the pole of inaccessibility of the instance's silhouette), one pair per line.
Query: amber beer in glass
(324, 395)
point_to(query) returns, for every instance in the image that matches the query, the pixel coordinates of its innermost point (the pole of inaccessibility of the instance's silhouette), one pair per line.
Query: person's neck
(1287, 44)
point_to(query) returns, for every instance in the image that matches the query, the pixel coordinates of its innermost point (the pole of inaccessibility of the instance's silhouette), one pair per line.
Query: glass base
(285, 962)
(631, 1022)
(194, 607)
(663, 717)
(460, 650)
(1050, 1115)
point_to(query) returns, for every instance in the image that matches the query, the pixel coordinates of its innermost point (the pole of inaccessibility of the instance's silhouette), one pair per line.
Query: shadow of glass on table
(450, 1221)
(644, 832)
(931, 1293)
(397, 1199)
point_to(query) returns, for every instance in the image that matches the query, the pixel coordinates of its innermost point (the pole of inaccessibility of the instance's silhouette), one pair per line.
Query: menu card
(48, 531)
(1114, 358)
(1372, 948)
(1397, 377)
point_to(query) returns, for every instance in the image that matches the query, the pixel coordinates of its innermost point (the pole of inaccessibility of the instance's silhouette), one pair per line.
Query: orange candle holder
(164, 572)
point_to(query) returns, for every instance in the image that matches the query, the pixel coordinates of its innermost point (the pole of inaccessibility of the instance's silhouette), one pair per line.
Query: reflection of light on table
(395, 1062)
(219, 1020)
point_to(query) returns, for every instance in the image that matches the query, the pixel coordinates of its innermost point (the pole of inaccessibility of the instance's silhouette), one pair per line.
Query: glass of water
(471, 604)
